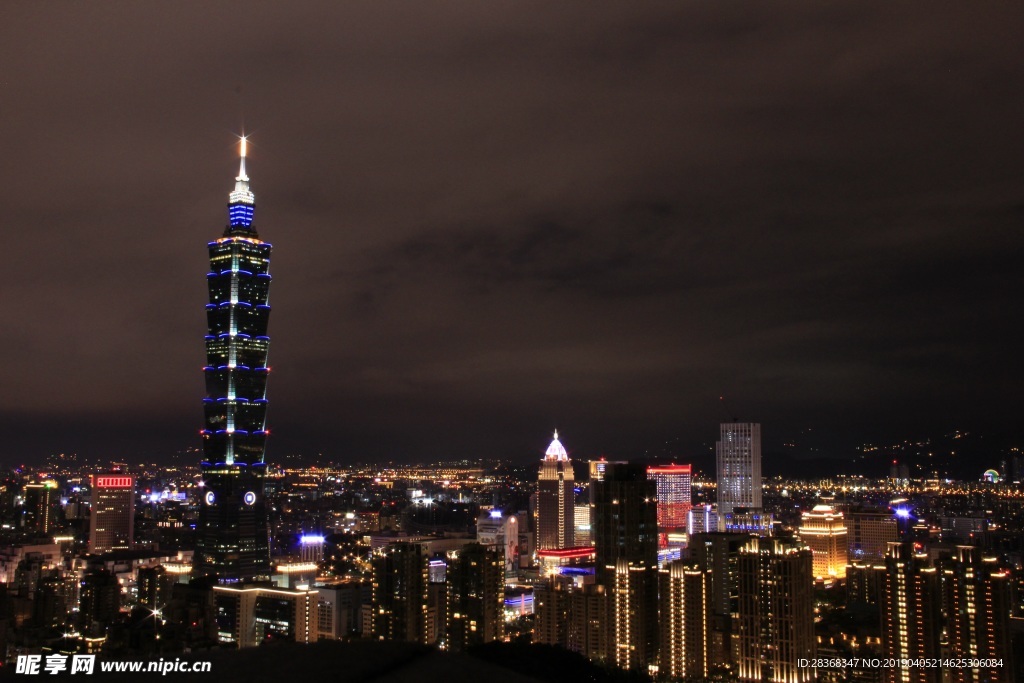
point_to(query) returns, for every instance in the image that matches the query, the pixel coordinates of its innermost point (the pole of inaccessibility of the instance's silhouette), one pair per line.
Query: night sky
(494, 219)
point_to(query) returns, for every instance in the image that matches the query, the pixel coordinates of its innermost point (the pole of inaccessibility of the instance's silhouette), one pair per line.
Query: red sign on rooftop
(114, 482)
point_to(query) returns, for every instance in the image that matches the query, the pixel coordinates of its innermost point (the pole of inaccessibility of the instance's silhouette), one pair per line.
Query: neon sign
(114, 482)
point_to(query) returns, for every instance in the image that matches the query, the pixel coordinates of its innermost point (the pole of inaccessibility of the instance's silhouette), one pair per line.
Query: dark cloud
(492, 219)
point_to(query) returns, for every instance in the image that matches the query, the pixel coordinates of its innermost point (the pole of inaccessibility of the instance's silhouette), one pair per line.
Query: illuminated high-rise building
(738, 454)
(626, 541)
(685, 602)
(476, 597)
(40, 506)
(572, 612)
(582, 535)
(399, 593)
(911, 614)
(864, 584)
(112, 525)
(556, 502)
(232, 541)
(249, 616)
(823, 530)
(672, 484)
(718, 555)
(869, 533)
(978, 600)
(775, 625)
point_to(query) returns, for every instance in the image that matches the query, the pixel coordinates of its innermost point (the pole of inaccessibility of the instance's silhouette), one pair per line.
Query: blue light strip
(240, 214)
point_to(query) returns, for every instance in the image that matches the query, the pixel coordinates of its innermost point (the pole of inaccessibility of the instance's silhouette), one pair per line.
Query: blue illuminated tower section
(233, 544)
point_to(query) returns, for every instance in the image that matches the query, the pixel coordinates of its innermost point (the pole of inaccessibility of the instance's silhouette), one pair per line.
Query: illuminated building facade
(738, 457)
(254, 615)
(233, 539)
(556, 502)
(672, 485)
(155, 584)
(505, 532)
(823, 530)
(572, 613)
(582, 535)
(476, 597)
(578, 561)
(399, 593)
(39, 507)
(864, 584)
(911, 614)
(869, 533)
(978, 599)
(702, 519)
(112, 525)
(718, 554)
(626, 544)
(551, 607)
(685, 621)
(747, 521)
(775, 611)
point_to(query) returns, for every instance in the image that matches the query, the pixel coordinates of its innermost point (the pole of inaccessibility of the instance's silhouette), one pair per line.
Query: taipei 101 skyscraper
(233, 543)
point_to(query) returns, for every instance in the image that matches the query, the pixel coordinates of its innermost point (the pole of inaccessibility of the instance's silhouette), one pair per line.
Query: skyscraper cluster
(737, 604)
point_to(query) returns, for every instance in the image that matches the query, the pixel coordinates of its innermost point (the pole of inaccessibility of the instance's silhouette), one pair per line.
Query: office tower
(823, 530)
(248, 616)
(556, 499)
(685, 620)
(672, 486)
(775, 612)
(40, 504)
(738, 454)
(399, 593)
(702, 519)
(232, 541)
(718, 554)
(911, 614)
(476, 597)
(597, 468)
(869, 533)
(626, 540)
(978, 600)
(112, 526)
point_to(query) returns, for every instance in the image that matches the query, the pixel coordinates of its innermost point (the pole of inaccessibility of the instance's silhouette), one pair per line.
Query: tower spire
(241, 166)
(241, 199)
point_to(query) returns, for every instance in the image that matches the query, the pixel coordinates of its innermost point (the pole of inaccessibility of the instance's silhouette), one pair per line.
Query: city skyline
(600, 227)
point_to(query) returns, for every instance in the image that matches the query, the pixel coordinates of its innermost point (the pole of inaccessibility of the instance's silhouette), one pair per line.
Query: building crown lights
(556, 451)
